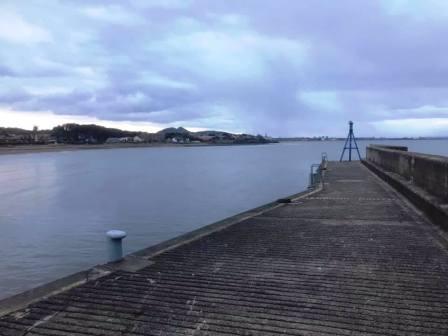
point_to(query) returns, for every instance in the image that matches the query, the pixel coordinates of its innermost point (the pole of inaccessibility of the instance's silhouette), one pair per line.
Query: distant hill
(179, 130)
(181, 134)
(14, 130)
(95, 134)
(213, 133)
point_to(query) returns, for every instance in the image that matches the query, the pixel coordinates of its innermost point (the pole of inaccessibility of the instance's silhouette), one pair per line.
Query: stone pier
(351, 258)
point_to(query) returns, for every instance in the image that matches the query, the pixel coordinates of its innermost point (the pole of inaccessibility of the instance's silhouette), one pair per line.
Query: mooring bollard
(115, 244)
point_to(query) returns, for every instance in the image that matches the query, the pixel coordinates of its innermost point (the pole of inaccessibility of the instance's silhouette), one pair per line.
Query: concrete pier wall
(429, 172)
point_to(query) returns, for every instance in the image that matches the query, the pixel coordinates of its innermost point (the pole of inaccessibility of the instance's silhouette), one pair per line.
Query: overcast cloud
(281, 67)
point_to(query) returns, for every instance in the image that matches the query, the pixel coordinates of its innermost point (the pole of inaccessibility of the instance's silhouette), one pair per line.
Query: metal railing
(315, 175)
(324, 161)
(316, 171)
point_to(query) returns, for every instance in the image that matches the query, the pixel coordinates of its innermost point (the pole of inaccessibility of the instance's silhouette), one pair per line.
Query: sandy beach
(26, 149)
(23, 149)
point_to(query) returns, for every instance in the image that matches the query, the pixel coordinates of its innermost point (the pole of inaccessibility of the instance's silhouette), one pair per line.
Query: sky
(282, 68)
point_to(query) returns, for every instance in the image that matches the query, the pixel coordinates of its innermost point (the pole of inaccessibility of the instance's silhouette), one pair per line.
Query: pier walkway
(352, 259)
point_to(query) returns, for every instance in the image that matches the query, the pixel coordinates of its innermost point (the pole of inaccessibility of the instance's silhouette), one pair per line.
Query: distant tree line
(94, 134)
(75, 134)
(252, 139)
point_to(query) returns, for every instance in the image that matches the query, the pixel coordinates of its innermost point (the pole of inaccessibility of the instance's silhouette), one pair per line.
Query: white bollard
(115, 245)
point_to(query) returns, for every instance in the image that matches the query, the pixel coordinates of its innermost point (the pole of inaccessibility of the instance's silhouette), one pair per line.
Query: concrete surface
(429, 172)
(352, 259)
(432, 206)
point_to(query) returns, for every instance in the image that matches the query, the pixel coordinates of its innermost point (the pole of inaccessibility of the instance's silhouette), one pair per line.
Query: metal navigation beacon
(350, 140)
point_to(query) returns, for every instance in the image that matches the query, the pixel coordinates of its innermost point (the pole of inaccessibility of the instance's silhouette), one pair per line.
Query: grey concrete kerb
(134, 261)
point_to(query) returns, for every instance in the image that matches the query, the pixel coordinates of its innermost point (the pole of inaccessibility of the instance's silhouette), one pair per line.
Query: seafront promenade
(353, 257)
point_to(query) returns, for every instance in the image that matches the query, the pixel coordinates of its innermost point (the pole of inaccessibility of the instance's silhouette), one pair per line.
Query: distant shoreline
(27, 149)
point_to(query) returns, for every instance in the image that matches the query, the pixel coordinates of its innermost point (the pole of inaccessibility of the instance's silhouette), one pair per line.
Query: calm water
(56, 207)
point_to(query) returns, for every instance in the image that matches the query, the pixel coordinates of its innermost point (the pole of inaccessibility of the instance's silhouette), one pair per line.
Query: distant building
(126, 139)
(45, 138)
(206, 138)
(113, 140)
(14, 139)
(135, 139)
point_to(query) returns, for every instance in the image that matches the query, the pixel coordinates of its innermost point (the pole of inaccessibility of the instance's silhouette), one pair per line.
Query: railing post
(115, 245)
(323, 164)
(314, 174)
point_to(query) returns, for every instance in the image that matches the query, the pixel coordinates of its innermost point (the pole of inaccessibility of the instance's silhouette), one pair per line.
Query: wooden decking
(352, 259)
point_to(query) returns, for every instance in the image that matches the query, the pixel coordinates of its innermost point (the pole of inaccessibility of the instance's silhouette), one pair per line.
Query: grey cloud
(253, 61)
(14, 96)
(122, 102)
(6, 71)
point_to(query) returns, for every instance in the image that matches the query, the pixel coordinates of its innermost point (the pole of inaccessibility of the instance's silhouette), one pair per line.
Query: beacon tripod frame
(350, 140)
